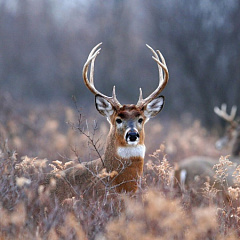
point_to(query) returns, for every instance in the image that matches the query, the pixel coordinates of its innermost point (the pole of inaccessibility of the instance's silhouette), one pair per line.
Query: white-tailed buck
(123, 158)
(193, 172)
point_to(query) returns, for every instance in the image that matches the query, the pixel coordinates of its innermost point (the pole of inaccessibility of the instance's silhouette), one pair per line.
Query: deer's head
(127, 121)
(232, 131)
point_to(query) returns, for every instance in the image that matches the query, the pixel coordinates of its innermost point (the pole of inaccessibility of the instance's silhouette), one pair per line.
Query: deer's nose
(132, 136)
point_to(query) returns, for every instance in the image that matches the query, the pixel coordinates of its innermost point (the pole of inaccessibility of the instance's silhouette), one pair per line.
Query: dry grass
(156, 211)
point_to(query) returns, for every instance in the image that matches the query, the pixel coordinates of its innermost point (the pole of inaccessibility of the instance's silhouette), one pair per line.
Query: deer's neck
(137, 151)
(127, 161)
(116, 152)
(236, 147)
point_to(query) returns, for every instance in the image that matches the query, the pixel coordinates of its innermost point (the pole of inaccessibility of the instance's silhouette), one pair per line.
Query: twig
(86, 133)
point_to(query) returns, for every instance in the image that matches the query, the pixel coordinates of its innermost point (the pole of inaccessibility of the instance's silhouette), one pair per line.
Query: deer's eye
(140, 120)
(118, 121)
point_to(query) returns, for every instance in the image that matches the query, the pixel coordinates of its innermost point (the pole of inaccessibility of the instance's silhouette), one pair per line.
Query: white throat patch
(131, 151)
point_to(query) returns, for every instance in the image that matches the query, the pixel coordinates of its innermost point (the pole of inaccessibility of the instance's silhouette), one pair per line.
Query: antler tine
(92, 60)
(156, 58)
(90, 84)
(223, 112)
(233, 111)
(224, 107)
(162, 79)
(140, 95)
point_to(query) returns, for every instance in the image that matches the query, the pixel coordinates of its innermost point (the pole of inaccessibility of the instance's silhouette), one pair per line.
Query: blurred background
(44, 44)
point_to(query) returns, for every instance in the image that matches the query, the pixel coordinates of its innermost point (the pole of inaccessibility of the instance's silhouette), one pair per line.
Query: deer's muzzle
(132, 136)
(222, 142)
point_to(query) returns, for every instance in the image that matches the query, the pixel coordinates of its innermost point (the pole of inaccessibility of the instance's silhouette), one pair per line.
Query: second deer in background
(193, 172)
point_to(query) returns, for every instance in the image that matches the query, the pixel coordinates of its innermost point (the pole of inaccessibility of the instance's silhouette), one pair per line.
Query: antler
(162, 81)
(223, 112)
(90, 84)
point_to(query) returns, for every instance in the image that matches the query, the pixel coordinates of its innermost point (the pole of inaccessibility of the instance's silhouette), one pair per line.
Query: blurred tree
(205, 52)
(44, 44)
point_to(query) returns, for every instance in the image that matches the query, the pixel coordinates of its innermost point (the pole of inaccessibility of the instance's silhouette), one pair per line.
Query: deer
(193, 172)
(123, 158)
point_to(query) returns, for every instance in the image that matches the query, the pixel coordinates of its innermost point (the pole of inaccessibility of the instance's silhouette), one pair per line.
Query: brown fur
(125, 171)
(199, 169)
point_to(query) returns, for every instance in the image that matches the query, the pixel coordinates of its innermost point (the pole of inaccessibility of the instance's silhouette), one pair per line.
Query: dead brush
(183, 140)
(230, 213)
(150, 214)
(221, 170)
(27, 212)
(209, 192)
(31, 135)
(154, 216)
(158, 170)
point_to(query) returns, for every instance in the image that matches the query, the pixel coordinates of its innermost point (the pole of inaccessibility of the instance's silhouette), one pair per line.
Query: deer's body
(123, 159)
(193, 172)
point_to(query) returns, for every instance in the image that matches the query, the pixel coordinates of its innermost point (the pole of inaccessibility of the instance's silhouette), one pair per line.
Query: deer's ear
(154, 107)
(104, 106)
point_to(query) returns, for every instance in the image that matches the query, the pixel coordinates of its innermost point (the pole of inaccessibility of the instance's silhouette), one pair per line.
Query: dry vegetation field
(36, 140)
